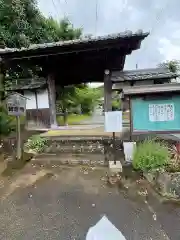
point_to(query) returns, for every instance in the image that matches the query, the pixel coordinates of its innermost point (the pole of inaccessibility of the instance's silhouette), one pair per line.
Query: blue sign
(156, 115)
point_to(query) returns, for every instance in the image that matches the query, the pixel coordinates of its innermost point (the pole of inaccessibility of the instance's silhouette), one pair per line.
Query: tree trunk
(65, 115)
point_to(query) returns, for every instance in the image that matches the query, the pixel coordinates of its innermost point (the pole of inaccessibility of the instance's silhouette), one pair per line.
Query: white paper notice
(129, 150)
(104, 230)
(113, 121)
(161, 112)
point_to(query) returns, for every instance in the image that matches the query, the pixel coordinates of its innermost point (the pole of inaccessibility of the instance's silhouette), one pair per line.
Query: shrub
(150, 155)
(5, 123)
(36, 143)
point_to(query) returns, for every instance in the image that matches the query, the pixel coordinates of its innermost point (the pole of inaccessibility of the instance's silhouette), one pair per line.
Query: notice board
(155, 115)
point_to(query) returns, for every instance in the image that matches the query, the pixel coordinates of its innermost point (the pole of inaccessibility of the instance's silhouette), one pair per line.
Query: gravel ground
(64, 205)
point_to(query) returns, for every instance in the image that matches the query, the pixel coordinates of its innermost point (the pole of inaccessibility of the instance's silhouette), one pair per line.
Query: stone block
(115, 168)
(164, 182)
(150, 176)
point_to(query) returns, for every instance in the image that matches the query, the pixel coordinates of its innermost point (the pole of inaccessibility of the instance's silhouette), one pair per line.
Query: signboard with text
(156, 115)
(16, 104)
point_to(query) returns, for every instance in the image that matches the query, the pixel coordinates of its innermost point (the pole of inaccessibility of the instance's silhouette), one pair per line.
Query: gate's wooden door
(38, 118)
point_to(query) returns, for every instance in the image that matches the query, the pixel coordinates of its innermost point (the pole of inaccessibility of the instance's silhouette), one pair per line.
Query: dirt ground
(63, 202)
(80, 131)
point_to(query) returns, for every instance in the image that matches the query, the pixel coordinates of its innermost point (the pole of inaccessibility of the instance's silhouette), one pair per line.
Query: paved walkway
(67, 204)
(94, 120)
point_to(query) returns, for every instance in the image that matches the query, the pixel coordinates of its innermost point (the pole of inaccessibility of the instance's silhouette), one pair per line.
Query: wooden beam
(52, 100)
(115, 60)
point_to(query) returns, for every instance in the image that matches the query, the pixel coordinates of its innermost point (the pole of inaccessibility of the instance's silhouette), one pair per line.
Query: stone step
(80, 151)
(82, 146)
(70, 159)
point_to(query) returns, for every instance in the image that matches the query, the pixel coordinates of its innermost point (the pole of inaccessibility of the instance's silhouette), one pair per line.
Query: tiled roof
(142, 74)
(123, 35)
(149, 89)
(25, 86)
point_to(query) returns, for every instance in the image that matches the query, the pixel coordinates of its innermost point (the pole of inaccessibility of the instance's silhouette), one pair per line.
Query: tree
(71, 97)
(66, 97)
(116, 104)
(88, 98)
(173, 65)
(5, 122)
(22, 24)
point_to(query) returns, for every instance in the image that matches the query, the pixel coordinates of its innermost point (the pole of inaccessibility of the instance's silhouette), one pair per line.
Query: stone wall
(167, 184)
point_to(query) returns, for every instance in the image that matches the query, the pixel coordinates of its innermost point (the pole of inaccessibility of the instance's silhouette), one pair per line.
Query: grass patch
(73, 119)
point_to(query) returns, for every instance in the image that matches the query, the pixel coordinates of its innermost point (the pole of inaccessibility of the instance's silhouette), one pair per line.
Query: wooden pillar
(2, 81)
(122, 101)
(2, 85)
(107, 91)
(52, 100)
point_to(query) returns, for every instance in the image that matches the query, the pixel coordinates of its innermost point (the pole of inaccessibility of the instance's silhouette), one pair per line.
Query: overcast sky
(160, 17)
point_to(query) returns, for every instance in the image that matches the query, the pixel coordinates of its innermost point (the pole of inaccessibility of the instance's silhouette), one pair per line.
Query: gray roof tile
(142, 74)
(123, 35)
(25, 85)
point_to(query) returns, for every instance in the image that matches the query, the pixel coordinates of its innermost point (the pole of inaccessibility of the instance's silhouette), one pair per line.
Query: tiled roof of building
(25, 85)
(143, 74)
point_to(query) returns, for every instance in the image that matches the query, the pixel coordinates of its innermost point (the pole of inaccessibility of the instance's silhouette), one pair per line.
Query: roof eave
(151, 89)
(74, 46)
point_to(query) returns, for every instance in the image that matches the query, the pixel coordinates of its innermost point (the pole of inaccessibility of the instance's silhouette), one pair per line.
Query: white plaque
(161, 112)
(113, 121)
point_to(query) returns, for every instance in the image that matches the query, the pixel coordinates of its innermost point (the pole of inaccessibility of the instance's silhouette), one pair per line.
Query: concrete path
(94, 120)
(67, 204)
